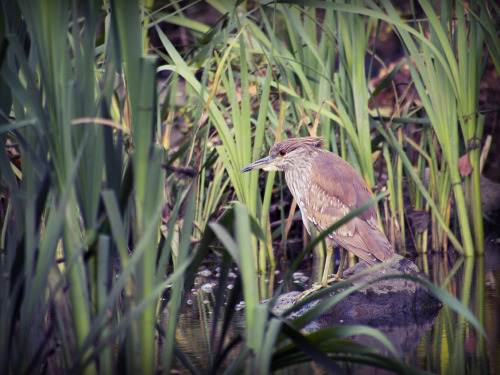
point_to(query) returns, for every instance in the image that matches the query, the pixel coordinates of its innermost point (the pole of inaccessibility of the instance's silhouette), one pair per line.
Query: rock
(402, 309)
(396, 300)
(402, 300)
(490, 200)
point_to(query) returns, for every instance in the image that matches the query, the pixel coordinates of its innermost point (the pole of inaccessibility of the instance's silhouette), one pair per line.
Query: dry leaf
(464, 165)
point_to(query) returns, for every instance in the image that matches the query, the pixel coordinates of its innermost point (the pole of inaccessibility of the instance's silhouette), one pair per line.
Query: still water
(442, 343)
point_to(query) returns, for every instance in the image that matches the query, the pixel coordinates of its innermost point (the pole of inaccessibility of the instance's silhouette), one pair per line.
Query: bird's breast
(298, 181)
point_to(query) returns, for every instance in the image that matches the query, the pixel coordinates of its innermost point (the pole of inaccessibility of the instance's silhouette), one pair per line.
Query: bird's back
(328, 188)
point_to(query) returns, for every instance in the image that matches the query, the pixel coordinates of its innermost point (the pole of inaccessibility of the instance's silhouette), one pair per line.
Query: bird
(326, 188)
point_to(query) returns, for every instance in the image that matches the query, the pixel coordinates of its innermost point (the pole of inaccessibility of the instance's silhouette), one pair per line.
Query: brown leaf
(464, 165)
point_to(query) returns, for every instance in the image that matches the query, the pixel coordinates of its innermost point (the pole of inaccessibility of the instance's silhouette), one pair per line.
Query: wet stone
(395, 300)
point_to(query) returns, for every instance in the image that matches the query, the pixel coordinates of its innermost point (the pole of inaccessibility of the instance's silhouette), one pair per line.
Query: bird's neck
(298, 179)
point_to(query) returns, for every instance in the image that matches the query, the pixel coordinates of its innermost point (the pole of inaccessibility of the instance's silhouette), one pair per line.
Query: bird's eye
(282, 153)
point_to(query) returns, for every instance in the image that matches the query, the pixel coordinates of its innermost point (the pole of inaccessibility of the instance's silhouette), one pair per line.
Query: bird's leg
(325, 280)
(329, 254)
(338, 275)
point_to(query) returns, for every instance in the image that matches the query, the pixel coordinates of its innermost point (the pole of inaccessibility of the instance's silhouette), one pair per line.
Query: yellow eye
(282, 153)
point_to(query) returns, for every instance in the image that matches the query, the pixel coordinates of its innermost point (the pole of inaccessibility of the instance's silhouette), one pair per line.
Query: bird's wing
(335, 190)
(339, 179)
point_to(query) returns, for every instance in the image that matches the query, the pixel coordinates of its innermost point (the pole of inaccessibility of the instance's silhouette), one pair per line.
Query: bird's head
(287, 154)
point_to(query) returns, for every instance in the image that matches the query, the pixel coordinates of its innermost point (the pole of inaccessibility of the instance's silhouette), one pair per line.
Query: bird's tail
(369, 244)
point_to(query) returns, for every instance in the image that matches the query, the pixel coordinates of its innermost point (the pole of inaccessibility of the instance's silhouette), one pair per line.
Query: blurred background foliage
(125, 124)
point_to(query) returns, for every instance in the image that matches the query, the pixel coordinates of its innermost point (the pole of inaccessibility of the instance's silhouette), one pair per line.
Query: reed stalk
(107, 216)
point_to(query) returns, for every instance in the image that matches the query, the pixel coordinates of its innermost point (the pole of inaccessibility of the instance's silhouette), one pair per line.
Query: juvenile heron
(326, 188)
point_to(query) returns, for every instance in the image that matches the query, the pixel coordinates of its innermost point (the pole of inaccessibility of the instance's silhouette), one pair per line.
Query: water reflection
(452, 346)
(444, 343)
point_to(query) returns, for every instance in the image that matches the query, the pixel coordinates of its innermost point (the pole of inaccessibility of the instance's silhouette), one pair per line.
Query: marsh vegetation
(124, 126)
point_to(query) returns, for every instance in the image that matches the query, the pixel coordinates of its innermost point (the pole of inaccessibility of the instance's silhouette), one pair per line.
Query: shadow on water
(439, 341)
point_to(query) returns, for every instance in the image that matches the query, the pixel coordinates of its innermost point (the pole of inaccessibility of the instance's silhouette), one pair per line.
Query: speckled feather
(327, 188)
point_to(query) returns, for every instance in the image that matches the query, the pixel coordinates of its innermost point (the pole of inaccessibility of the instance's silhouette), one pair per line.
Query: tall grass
(105, 219)
(449, 91)
(446, 72)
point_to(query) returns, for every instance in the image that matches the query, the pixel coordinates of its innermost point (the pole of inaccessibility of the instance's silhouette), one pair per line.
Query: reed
(120, 161)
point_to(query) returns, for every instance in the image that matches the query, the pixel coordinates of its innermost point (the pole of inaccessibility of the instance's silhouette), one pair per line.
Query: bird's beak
(263, 163)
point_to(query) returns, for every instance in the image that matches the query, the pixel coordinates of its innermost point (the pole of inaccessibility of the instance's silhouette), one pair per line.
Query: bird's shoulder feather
(337, 178)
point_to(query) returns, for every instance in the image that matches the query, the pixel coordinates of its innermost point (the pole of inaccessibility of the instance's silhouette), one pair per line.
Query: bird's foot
(308, 292)
(333, 279)
(316, 287)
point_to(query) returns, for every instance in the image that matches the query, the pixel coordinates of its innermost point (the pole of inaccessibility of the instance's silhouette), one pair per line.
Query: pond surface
(442, 343)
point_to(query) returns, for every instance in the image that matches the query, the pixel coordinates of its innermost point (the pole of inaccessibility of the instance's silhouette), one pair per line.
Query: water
(441, 343)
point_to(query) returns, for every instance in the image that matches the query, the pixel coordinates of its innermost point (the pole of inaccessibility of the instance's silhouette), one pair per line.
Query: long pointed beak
(259, 164)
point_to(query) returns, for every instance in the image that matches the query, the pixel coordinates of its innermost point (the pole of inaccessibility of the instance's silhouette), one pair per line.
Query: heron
(326, 188)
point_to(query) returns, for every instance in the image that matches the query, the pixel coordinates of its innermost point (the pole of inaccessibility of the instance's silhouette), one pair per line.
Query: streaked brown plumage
(327, 188)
